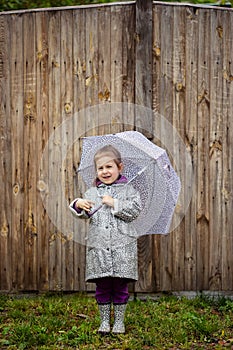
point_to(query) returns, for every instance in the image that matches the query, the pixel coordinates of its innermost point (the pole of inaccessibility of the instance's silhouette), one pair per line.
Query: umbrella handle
(92, 212)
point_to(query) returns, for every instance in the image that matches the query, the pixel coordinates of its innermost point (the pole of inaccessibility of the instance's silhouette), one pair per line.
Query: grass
(71, 322)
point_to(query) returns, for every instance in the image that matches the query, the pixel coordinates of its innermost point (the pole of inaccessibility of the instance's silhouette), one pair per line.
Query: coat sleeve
(82, 214)
(128, 206)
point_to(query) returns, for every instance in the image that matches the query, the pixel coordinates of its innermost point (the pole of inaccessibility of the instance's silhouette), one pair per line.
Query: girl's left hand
(108, 200)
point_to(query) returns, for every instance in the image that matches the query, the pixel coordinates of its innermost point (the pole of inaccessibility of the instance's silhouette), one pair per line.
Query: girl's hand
(84, 204)
(108, 200)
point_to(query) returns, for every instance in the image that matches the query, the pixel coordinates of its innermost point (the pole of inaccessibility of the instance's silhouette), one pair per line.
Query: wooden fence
(173, 59)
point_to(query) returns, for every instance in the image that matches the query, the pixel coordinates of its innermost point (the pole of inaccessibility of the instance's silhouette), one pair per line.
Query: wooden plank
(190, 135)
(79, 50)
(79, 81)
(42, 93)
(54, 168)
(17, 132)
(128, 73)
(215, 152)
(30, 144)
(128, 66)
(116, 68)
(5, 165)
(104, 70)
(91, 96)
(156, 47)
(156, 83)
(178, 92)
(166, 109)
(67, 137)
(227, 156)
(143, 69)
(203, 102)
(143, 96)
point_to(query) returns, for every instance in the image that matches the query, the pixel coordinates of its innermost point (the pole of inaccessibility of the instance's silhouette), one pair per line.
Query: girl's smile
(107, 170)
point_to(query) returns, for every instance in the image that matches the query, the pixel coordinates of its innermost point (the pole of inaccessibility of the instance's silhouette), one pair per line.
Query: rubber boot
(119, 315)
(105, 313)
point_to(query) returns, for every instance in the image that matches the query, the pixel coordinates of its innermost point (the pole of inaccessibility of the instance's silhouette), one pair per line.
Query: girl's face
(107, 170)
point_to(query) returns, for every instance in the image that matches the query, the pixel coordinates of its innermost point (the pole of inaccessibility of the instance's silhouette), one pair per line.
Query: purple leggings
(112, 289)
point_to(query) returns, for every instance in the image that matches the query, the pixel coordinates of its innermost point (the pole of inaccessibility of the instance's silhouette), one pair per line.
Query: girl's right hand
(84, 204)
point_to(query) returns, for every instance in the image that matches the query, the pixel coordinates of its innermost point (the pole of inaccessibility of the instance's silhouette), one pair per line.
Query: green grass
(71, 322)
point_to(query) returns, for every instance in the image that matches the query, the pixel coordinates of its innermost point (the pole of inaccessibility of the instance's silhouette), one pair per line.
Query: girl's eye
(106, 167)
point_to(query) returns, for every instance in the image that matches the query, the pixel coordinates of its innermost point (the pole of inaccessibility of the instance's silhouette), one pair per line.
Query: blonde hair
(111, 151)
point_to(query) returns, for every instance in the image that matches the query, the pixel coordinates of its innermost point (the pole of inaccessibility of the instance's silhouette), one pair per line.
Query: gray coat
(112, 238)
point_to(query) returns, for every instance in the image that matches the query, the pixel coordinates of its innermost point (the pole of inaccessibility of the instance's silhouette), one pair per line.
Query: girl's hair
(108, 150)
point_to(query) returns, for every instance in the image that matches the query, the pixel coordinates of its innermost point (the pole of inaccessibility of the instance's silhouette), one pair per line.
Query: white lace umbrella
(148, 169)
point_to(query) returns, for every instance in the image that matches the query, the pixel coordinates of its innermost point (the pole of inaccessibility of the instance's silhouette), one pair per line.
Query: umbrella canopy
(148, 168)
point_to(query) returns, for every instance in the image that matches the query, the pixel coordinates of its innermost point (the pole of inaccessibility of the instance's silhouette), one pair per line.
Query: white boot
(119, 315)
(105, 313)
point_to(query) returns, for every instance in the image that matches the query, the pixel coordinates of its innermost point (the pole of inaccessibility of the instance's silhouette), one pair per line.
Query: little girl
(111, 253)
